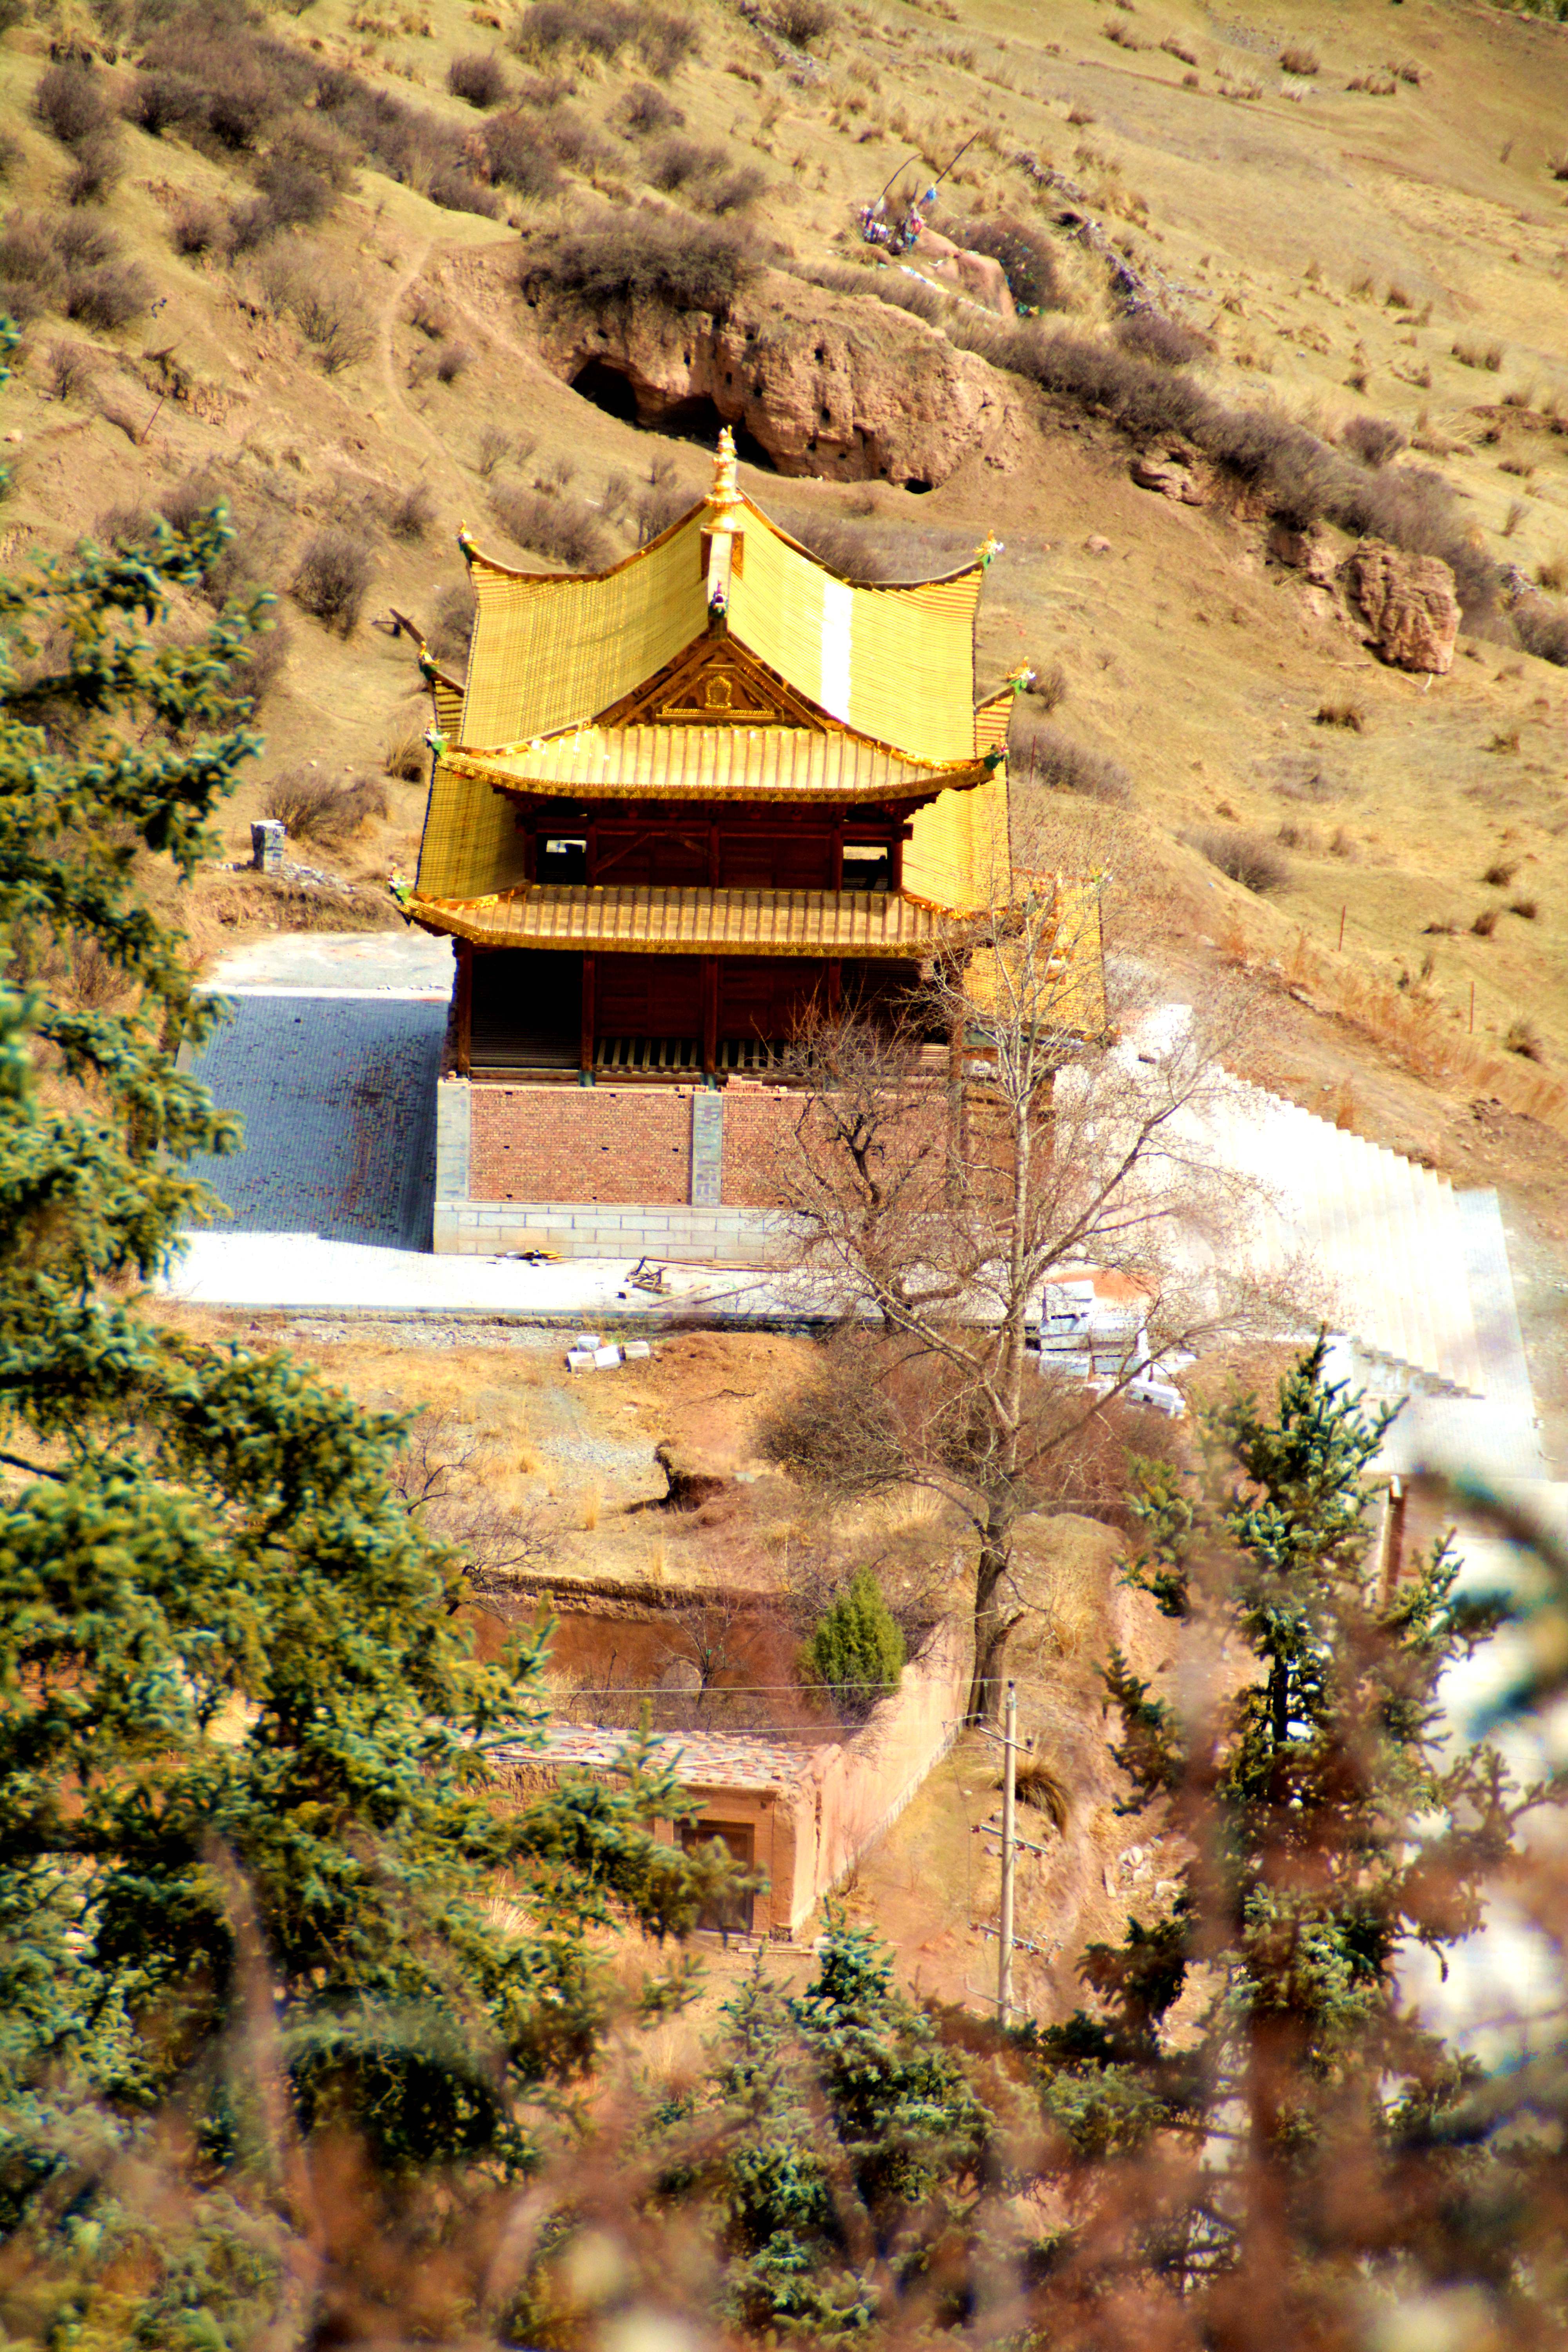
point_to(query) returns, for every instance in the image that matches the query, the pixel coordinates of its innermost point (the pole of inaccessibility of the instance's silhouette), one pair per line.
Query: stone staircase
(1385, 1235)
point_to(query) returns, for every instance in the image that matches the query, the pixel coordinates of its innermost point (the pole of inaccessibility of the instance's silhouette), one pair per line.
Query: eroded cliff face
(819, 385)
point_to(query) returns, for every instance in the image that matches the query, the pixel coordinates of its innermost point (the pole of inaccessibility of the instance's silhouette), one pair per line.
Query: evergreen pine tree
(250, 1849)
(1249, 2055)
(856, 1651)
(842, 2147)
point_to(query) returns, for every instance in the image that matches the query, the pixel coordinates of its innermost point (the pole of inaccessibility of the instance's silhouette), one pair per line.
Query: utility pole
(1009, 1797)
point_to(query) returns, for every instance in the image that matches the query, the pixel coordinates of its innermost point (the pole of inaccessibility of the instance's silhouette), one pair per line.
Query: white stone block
(586, 1341)
(634, 1350)
(580, 1360)
(605, 1358)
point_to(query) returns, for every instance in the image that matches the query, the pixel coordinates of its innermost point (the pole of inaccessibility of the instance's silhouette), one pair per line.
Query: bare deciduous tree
(439, 1475)
(937, 1188)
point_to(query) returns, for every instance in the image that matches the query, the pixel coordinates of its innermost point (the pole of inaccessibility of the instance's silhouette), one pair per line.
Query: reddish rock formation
(1409, 604)
(1170, 476)
(847, 390)
(1306, 552)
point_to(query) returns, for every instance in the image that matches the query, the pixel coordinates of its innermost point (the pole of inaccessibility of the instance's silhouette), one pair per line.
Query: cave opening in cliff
(697, 419)
(608, 389)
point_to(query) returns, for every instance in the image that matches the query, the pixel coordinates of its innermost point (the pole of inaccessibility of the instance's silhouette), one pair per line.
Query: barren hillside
(345, 265)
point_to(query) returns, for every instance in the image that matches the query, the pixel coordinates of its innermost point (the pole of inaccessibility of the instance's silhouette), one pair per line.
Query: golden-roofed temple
(677, 803)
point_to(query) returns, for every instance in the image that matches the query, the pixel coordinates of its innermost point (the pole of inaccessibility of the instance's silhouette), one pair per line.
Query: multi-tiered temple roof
(721, 668)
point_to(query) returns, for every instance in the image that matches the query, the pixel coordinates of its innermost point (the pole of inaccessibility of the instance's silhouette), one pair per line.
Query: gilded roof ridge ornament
(989, 549)
(726, 500)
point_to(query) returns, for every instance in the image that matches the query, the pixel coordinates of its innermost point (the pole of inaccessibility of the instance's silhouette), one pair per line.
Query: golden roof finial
(726, 492)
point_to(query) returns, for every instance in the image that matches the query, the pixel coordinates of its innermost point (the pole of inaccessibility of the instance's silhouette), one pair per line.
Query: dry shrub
(1486, 923)
(675, 265)
(603, 27)
(68, 100)
(314, 810)
(1043, 755)
(1174, 46)
(1341, 713)
(1294, 59)
(1373, 439)
(451, 631)
(1527, 910)
(260, 669)
(801, 22)
(107, 296)
(480, 77)
(1037, 1786)
(333, 575)
(71, 369)
(1246, 857)
(889, 286)
(195, 228)
(1501, 873)
(31, 273)
(514, 156)
(564, 528)
(1523, 1038)
(411, 513)
(1048, 686)
(329, 310)
(452, 362)
(1154, 337)
(406, 756)
(95, 170)
(646, 109)
(1027, 256)
(1124, 35)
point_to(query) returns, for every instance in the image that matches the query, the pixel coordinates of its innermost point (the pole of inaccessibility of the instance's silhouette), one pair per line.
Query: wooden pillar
(896, 863)
(713, 855)
(710, 1015)
(463, 1009)
(835, 881)
(591, 858)
(834, 989)
(586, 1058)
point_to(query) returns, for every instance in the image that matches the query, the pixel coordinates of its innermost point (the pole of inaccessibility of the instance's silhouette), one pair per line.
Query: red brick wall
(622, 1146)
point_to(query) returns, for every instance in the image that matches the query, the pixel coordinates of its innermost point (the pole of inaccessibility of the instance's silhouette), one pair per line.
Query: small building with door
(676, 806)
(797, 1811)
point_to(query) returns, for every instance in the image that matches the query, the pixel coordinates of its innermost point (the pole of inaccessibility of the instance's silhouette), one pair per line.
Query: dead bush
(1486, 923)
(657, 508)
(641, 257)
(604, 28)
(333, 575)
(1297, 60)
(312, 809)
(99, 162)
(802, 22)
(1246, 857)
(71, 369)
(260, 668)
(1527, 910)
(107, 296)
(451, 632)
(1174, 46)
(406, 756)
(478, 76)
(1373, 439)
(1501, 873)
(562, 528)
(329, 310)
(1048, 686)
(1341, 713)
(32, 276)
(675, 164)
(1541, 629)
(1522, 1037)
(69, 100)
(646, 109)
(453, 359)
(195, 228)
(514, 156)
(411, 513)
(1043, 755)
(1154, 337)
(666, 39)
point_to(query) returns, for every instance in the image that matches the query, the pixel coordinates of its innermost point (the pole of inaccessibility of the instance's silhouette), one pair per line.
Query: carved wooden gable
(714, 683)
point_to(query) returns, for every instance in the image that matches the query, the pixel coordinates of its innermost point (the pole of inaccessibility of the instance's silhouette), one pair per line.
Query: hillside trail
(391, 377)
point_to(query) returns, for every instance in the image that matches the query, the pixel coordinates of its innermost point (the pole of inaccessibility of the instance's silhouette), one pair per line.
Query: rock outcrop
(1169, 475)
(1408, 602)
(1307, 551)
(821, 383)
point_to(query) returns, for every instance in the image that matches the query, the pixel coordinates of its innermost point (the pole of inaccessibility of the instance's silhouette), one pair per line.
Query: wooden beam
(585, 1057)
(463, 1008)
(710, 1015)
